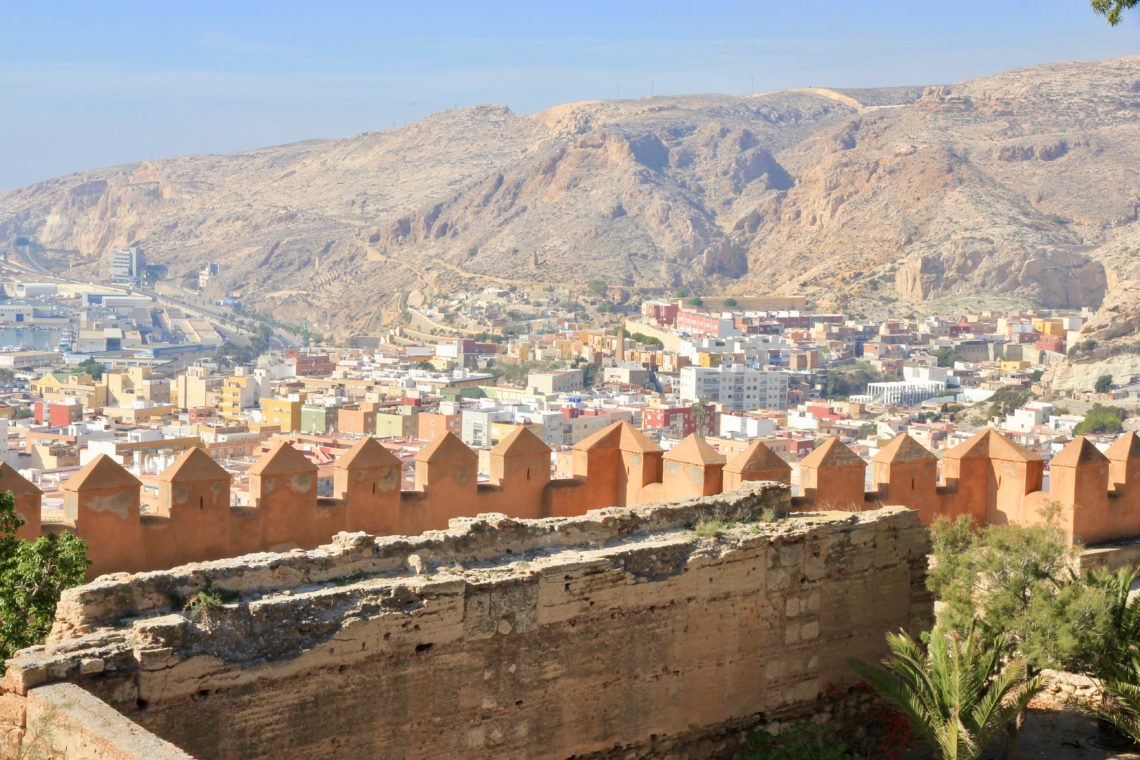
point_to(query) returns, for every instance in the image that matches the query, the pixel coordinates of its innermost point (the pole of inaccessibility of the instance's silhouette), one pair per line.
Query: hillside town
(731, 370)
(390, 380)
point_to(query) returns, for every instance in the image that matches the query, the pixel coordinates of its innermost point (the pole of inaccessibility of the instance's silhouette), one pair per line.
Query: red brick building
(679, 418)
(57, 414)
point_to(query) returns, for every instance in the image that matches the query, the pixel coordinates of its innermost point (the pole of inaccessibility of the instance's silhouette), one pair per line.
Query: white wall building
(555, 382)
(127, 265)
(927, 374)
(744, 426)
(1025, 419)
(477, 424)
(735, 388)
(35, 289)
(904, 393)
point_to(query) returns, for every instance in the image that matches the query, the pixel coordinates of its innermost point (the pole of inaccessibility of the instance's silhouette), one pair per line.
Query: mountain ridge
(1018, 183)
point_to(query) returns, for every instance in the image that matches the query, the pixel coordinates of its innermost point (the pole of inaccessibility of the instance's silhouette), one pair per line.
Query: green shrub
(33, 574)
(711, 528)
(1101, 419)
(803, 740)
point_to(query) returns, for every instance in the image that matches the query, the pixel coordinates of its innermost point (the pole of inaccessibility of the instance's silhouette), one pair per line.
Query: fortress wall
(988, 478)
(65, 721)
(621, 628)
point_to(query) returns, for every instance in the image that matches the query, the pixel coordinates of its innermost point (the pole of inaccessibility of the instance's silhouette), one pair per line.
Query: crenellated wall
(988, 477)
(995, 481)
(621, 632)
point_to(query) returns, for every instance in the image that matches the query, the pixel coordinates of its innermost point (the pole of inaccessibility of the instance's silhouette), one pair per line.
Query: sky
(87, 84)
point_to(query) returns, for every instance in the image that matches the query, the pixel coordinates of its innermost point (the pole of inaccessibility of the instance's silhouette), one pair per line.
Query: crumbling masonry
(620, 631)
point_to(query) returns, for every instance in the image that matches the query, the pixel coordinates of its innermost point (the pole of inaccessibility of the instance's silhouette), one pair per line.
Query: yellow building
(59, 386)
(709, 359)
(135, 385)
(1014, 365)
(282, 412)
(395, 425)
(238, 392)
(1050, 327)
(191, 388)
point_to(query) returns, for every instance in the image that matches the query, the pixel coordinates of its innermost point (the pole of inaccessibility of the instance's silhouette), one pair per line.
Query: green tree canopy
(1101, 419)
(1113, 9)
(647, 340)
(1103, 384)
(32, 576)
(92, 367)
(1017, 585)
(1006, 401)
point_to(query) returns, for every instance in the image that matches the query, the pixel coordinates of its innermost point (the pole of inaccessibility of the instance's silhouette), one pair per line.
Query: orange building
(431, 426)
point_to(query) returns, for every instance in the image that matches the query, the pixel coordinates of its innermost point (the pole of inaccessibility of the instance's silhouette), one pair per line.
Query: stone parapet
(499, 637)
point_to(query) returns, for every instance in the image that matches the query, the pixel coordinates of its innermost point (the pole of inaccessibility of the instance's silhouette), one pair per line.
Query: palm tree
(1119, 703)
(699, 413)
(957, 695)
(1124, 612)
(1116, 666)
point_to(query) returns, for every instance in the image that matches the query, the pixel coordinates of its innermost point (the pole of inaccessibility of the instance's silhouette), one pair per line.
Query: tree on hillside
(1006, 401)
(1112, 9)
(1101, 419)
(946, 356)
(1032, 601)
(647, 340)
(92, 367)
(32, 576)
(1103, 384)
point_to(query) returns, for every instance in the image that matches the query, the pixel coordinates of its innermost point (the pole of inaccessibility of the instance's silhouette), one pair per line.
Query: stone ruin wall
(620, 631)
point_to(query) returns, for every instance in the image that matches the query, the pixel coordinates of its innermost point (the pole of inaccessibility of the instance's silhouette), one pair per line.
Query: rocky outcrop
(1020, 183)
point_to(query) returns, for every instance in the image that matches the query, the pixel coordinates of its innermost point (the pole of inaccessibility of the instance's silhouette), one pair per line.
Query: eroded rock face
(1018, 183)
(1052, 278)
(546, 638)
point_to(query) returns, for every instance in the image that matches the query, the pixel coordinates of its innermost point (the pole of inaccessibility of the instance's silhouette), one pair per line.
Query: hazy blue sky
(95, 83)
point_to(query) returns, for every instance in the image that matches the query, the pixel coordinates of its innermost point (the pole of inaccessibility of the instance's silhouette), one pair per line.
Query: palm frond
(956, 694)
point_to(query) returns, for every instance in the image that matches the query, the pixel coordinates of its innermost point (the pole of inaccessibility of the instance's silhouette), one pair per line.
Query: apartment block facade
(735, 388)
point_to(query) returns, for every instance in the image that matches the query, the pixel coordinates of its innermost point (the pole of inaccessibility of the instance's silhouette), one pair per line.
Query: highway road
(279, 339)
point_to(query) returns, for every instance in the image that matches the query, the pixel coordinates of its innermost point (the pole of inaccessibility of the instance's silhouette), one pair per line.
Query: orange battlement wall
(988, 477)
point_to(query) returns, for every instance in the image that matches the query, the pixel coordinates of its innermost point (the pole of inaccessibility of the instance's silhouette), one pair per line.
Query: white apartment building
(902, 393)
(746, 427)
(735, 388)
(477, 425)
(547, 383)
(927, 374)
(1028, 417)
(127, 265)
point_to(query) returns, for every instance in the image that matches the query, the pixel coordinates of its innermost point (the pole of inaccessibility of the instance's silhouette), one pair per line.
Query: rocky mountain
(1021, 185)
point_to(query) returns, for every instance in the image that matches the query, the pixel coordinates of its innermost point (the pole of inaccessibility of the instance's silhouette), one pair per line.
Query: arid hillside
(1021, 184)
